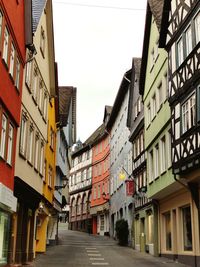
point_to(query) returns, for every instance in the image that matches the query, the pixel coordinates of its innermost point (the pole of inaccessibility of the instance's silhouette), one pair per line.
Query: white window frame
(188, 40)
(12, 59)
(163, 150)
(154, 110)
(180, 55)
(188, 109)
(41, 170)
(197, 27)
(5, 45)
(28, 75)
(17, 74)
(31, 138)
(4, 123)
(36, 156)
(23, 130)
(1, 22)
(10, 143)
(156, 162)
(151, 166)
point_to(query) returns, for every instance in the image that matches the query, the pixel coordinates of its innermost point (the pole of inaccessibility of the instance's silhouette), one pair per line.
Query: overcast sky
(95, 42)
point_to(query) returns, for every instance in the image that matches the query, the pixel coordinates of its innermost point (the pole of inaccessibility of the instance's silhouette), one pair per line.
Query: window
(169, 158)
(148, 114)
(188, 40)
(159, 96)
(10, 144)
(153, 106)
(163, 154)
(1, 20)
(197, 28)
(30, 140)
(187, 228)
(156, 169)
(41, 94)
(50, 177)
(23, 134)
(94, 193)
(51, 138)
(3, 135)
(12, 58)
(99, 191)
(188, 113)
(165, 87)
(36, 151)
(42, 41)
(44, 170)
(152, 58)
(28, 75)
(180, 51)
(167, 226)
(5, 45)
(35, 84)
(151, 167)
(42, 158)
(45, 106)
(17, 75)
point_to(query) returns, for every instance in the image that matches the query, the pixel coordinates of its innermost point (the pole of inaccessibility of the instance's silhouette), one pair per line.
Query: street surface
(77, 249)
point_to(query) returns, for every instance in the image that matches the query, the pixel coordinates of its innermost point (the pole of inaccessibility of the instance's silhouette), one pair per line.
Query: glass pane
(168, 231)
(187, 228)
(4, 236)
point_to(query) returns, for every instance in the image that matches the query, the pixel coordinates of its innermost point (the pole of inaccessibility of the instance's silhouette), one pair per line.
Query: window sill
(34, 100)
(28, 87)
(22, 155)
(30, 163)
(50, 188)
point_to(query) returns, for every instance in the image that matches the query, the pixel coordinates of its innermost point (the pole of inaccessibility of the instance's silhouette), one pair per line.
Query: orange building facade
(100, 184)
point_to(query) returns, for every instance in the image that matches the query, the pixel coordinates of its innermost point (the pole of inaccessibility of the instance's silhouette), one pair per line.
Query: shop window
(187, 228)
(167, 225)
(4, 236)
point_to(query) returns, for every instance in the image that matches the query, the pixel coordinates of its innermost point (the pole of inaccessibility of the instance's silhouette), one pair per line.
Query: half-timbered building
(180, 35)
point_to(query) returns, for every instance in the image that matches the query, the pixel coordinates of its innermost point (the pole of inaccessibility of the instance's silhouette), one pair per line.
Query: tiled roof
(98, 133)
(66, 94)
(37, 9)
(156, 7)
(137, 64)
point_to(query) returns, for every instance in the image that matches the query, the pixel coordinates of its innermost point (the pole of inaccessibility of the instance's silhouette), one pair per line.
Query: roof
(107, 112)
(37, 9)
(98, 133)
(66, 95)
(155, 8)
(123, 89)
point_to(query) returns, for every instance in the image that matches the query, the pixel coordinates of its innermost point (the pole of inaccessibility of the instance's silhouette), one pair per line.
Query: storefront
(8, 204)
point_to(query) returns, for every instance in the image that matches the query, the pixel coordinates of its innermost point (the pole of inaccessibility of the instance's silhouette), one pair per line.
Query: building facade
(100, 181)
(121, 204)
(80, 189)
(135, 123)
(38, 86)
(12, 47)
(180, 35)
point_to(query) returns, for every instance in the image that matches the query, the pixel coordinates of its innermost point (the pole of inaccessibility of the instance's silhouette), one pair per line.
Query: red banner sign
(130, 187)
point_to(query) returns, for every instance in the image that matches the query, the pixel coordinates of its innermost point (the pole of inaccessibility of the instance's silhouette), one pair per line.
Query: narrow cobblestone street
(81, 249)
